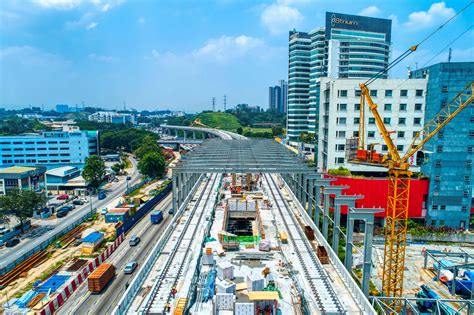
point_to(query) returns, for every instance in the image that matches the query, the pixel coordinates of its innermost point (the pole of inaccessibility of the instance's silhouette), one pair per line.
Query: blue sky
(179, 54)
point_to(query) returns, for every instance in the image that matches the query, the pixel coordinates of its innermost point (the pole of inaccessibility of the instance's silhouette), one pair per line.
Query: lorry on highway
(100, 277)
(156, 216)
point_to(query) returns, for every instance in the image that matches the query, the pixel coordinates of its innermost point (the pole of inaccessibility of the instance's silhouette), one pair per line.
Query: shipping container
(115, 217)
(156, 217)
(100, 277)
(309, 233)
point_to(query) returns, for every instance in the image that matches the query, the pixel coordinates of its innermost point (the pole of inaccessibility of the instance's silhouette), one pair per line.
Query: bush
(342, 171)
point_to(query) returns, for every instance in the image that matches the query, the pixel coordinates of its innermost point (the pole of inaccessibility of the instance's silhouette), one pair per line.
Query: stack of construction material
(225, 270)
(264, 245)
(91, 242)
(244, 309)
(224, 302)
(180, 305)
(208, 256)
(100, 277)
(323, 255)
(309, 232)
(255, 282)
(226, 286)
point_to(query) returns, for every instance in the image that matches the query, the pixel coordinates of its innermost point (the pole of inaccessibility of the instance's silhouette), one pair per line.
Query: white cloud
(226, 48)
(59, 4)
(436, 14)
(103, 58)
(102, 5)
(394, 19)
(370, 11)
(141, 20)
(280, 17)
(92, 25)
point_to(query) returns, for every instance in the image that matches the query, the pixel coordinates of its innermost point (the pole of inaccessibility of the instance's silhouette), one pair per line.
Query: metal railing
(349, 282)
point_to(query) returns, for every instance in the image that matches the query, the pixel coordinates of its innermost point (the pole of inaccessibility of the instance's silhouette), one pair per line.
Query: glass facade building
(298, 83)
(451, 151)
(348, 46)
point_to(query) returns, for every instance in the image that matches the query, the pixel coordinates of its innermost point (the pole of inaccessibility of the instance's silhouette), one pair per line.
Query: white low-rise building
(400, 103)
(113, 117)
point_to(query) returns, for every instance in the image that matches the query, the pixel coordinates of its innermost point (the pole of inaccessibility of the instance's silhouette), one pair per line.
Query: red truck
(100, 277)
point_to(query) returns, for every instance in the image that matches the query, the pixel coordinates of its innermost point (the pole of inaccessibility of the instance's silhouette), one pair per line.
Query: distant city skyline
(178, 55)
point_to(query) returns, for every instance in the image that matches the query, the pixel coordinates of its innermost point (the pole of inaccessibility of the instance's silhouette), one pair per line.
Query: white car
(104, 211)
(130, 267)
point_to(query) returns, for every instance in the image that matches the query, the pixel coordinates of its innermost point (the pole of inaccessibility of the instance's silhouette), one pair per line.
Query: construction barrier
(144, 209)
(62, 296)
(46, 243)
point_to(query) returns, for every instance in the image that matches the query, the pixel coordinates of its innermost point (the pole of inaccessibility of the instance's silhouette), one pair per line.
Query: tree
(148, 145)
(22, 203)
(152, 165)
(94, 171)
(116, 168)
(277, 130)
(240, 130)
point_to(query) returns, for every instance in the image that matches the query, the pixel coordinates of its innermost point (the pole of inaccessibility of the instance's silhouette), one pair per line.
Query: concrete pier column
(328, 191)
(194, 135)
(175, 191)
(367, 215)
(322, 182)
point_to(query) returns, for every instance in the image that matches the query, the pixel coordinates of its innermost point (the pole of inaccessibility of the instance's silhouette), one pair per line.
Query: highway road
(83, 302)
(9, 255)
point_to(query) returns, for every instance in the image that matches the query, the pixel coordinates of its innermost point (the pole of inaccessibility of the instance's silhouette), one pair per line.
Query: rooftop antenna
(449, 55)
(213, 104)
(225, 102)
(124, 106)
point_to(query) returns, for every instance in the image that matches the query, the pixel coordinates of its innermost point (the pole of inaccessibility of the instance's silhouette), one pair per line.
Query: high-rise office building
(284, 97)
(298, 84)
(274, 98)
(451, 151)
(349, 46)
(278, 97)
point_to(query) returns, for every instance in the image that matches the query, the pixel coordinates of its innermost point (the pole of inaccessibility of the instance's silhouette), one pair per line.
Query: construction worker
(173, 292)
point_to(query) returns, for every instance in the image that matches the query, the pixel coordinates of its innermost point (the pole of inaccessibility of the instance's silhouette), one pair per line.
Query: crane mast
(399, 175)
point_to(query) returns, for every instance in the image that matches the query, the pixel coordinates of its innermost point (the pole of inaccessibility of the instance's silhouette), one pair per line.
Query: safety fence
(143, 210)
(68, 290)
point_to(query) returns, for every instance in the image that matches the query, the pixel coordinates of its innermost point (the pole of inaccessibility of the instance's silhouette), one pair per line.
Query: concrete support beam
(339, 201)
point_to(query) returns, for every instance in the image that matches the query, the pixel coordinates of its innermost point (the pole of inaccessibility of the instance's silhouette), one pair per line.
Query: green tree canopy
(152, 165)
(148, 145)
(277, 130)
(94, 171)
(22, 203)
(128, 139)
